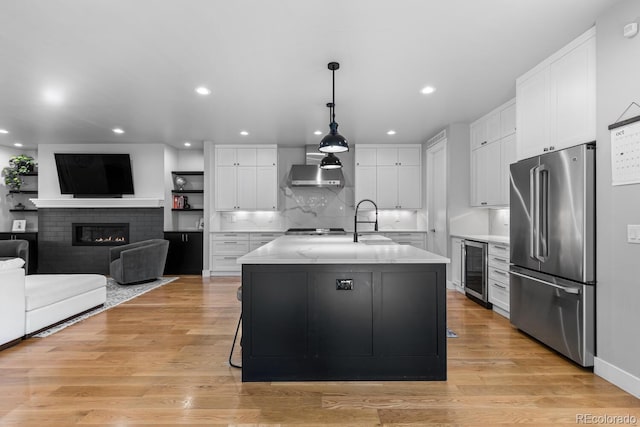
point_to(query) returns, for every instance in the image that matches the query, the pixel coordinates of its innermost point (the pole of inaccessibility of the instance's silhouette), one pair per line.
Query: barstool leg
(235, 337)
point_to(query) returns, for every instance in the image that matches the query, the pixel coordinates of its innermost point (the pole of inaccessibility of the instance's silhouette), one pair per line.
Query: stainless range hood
(310, 174)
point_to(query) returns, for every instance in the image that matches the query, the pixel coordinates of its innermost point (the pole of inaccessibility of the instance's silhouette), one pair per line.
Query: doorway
(436, 186)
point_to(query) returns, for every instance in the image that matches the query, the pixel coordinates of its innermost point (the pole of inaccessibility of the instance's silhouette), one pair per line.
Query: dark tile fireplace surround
(63, 247)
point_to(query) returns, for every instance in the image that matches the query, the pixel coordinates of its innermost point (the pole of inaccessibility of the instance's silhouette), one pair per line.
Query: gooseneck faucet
(356, 222)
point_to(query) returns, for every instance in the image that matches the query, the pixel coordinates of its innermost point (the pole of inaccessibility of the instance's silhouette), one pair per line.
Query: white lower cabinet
(498, 264)
(456, 263)
(227, 247)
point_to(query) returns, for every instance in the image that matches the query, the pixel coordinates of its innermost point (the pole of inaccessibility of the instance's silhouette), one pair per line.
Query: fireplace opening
(99, 234)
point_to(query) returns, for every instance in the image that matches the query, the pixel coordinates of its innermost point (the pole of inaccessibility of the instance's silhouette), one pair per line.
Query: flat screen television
(94, 175)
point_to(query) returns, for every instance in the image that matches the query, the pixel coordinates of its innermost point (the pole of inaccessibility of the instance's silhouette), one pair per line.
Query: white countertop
(493, 238)
(339, 250)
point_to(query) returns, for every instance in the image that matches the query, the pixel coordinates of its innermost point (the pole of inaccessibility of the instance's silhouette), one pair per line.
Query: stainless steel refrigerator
(552, 234)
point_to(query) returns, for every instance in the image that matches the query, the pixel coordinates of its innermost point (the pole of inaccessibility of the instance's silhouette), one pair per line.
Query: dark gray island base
(302, 322)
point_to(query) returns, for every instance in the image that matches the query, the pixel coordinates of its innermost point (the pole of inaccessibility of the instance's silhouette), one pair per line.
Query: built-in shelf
(23, 191)
(187, 191)
(187, 172)
(189, 210)
(23, 210)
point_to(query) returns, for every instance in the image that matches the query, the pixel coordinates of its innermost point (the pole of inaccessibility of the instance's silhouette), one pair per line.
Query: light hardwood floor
(161, 360)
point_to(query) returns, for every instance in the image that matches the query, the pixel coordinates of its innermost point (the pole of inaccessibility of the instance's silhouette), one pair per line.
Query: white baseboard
(616, 376)
(450, 285)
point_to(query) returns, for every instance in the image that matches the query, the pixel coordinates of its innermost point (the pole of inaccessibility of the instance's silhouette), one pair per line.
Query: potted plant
(18, 165)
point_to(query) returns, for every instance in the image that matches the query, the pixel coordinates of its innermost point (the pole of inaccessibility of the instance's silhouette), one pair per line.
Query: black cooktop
(315, 231)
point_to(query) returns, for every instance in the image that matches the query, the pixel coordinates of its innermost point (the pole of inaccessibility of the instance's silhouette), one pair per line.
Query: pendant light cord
(333, 102)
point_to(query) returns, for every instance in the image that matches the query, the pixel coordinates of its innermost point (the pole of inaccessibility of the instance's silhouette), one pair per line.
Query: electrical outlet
(633, 233)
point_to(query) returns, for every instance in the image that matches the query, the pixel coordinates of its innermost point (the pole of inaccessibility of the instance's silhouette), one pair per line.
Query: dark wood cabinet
(32, 238)
(185, 252)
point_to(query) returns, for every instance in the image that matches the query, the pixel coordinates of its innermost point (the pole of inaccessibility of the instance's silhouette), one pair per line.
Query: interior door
(437, 198)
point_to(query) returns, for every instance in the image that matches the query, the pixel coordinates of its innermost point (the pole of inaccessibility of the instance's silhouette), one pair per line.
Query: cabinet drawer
(500, 250)
(225, 263)
(499, 294)
(264, 236)
(230, 236)
(230, 247)
(498, 262)
(499, 275)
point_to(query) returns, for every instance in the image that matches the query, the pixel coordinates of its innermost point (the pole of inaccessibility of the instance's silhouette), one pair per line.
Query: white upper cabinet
(246, 178)
(491, 157)
(389, 175)
(556, 100)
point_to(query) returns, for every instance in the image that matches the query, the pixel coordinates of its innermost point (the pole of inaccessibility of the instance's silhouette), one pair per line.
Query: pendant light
(333, 142)
(330, 161)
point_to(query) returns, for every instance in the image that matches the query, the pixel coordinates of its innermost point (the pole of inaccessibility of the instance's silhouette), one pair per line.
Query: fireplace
(99, 234)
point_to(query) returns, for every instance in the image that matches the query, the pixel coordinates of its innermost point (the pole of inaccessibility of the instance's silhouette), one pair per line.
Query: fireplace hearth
(99, 234)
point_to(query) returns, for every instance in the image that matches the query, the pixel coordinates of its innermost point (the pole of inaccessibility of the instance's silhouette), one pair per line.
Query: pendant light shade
(330, 161)
(333, 142)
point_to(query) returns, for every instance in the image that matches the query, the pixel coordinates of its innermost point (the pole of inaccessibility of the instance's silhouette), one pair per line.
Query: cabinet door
(493, 169)
(478, 177)
(225, 188)
(266, 188)
(507, 156)
(366, 156)
(572, 85)
(192, 257)
(456, 262)
(409, 156)
(409, 186)
(387, 187)
(246, 156)
(387, 157)
(225, 156)
(508, 120)
(246, 187)
(478, 135)
(365, 187)
(532, 114)
(175, 253)
(266, 157)
(493, 127)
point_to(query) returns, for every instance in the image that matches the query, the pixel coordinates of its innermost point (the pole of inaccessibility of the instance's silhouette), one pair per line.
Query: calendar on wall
(625, 152)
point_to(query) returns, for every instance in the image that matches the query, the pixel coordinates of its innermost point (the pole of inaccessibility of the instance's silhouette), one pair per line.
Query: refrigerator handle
(573, 291)
(543, 216)
(533, 199)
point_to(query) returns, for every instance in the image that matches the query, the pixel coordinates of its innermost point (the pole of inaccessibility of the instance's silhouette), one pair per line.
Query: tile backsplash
(499, 222)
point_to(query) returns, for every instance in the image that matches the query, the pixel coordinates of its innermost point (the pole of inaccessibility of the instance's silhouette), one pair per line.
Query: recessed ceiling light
(53, 96)
(244, 133)
(117, 130)
(427, 90)
(391, 132)
(17, 144)
(187, 144)
(201, 90)
(4, 131)
(317, 132)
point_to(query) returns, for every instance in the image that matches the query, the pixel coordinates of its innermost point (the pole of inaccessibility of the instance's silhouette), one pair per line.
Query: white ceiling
(134, 64)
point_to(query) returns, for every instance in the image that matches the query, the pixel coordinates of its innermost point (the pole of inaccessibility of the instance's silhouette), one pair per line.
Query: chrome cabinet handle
(498, 285)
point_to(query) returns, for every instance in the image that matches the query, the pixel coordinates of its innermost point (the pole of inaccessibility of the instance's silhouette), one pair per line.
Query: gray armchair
(15, 249)
(138, 262)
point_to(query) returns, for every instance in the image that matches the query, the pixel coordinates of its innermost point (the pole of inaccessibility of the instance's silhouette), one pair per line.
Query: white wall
(170, 164)
(618, 269)
(7, 202)
(147, 164)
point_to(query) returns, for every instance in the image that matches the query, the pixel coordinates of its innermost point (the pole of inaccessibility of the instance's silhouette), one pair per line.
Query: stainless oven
(475, 271)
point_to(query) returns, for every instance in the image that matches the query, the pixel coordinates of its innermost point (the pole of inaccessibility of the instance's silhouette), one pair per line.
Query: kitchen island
(326, 308)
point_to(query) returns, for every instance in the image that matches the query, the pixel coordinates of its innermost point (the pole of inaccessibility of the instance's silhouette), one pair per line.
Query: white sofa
(35, 302)
(12, 303)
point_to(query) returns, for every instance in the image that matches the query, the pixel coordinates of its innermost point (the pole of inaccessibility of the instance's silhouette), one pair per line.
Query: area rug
(116, 294)
(451, 334)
